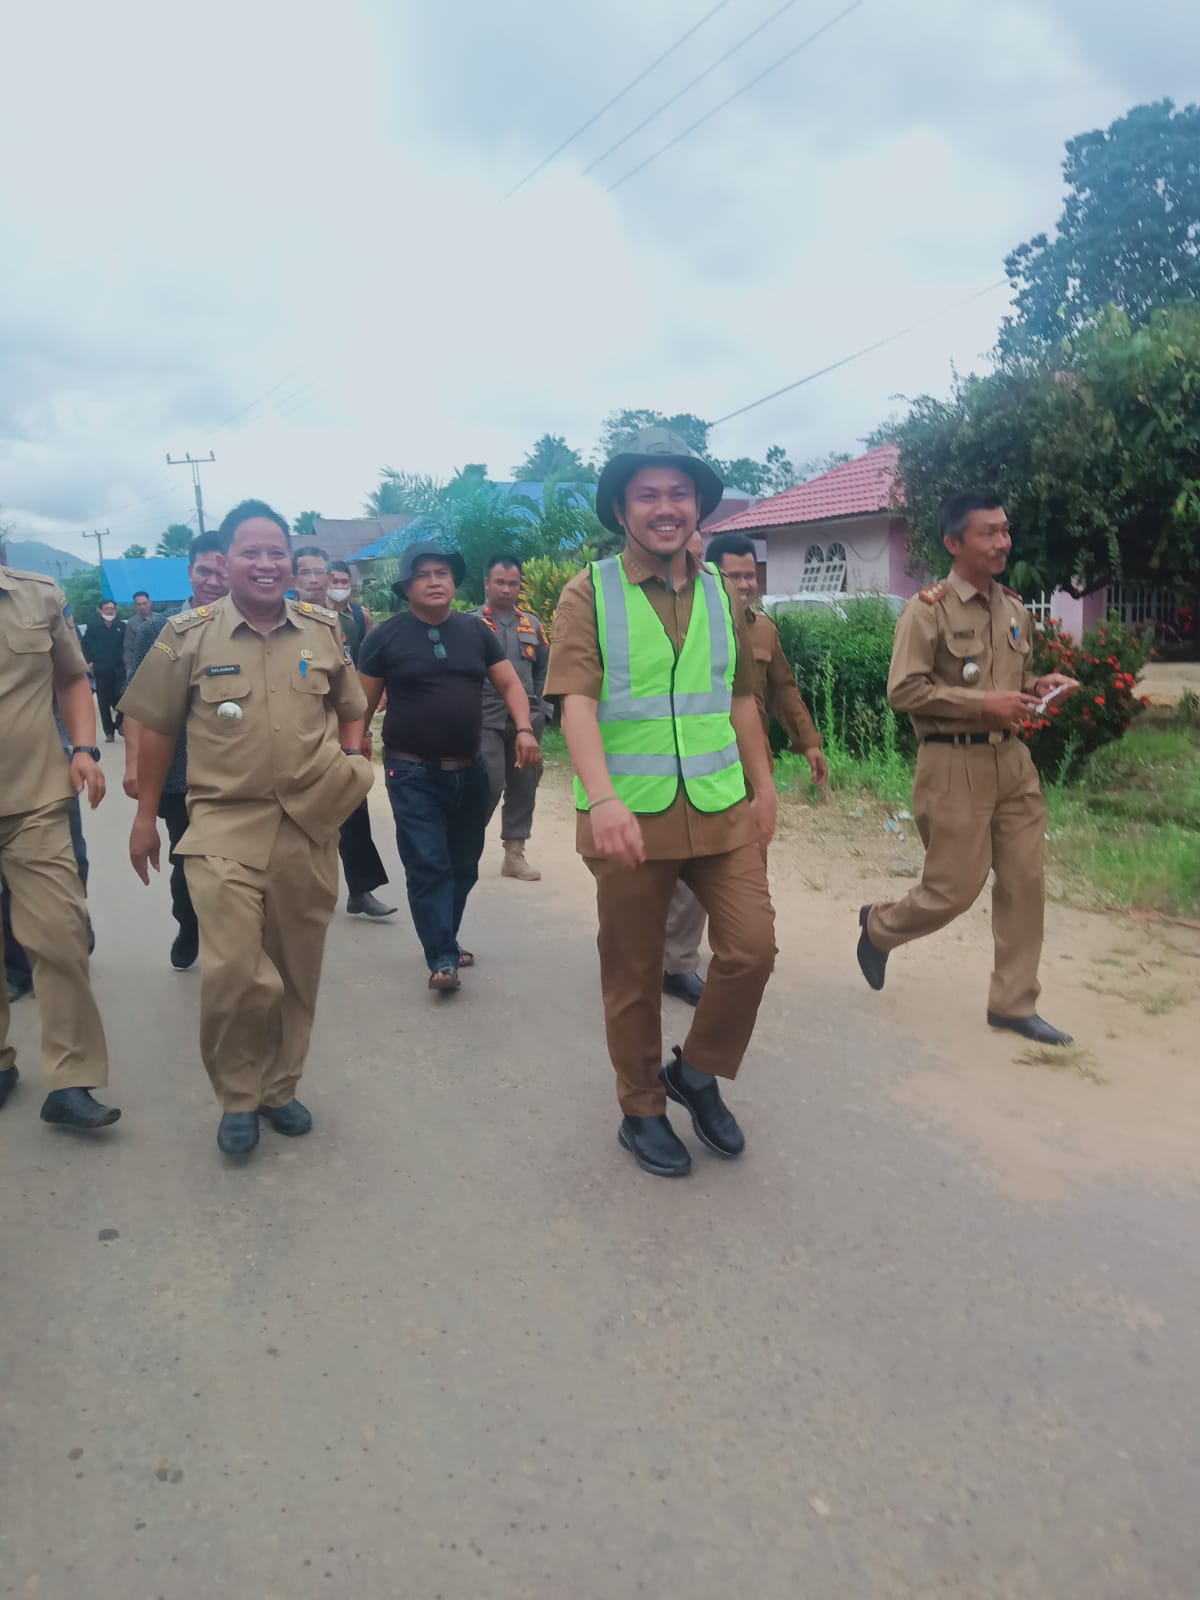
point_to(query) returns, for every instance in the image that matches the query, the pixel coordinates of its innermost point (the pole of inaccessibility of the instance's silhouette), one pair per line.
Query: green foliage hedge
(841, 665)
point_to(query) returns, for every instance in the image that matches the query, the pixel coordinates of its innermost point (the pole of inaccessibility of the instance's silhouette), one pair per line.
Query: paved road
(455, 1345)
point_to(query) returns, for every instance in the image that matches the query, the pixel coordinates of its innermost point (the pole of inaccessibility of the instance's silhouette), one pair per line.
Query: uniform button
(275, 726)
(271, 686)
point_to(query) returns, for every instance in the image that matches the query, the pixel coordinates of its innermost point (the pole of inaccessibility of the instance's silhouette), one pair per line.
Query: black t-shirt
(434, 708)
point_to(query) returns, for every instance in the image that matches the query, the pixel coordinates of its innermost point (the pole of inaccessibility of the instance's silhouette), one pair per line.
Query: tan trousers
(685, 929)
(262, 937)
(978, 808)
(50, 919)
(632, 907)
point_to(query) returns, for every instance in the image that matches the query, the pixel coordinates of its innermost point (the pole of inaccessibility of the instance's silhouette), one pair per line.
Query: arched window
(824, 570)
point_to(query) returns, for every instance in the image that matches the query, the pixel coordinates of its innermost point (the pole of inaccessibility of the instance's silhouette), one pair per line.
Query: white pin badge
(230, 711)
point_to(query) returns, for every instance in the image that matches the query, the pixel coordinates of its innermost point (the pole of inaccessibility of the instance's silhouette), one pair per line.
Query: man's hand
(366, 745)
(617, 834)
(1056, 680)
(85, 773)
(529, 751)
(143, 846)
(818, 766)
(763, 808)
(1007, 708)
(129, 782)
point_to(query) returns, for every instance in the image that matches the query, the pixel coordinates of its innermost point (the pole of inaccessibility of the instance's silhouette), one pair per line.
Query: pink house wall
(866, 540)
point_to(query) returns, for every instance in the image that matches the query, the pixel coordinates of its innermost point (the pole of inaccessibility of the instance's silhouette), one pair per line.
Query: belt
(442, 763)
(996, 737)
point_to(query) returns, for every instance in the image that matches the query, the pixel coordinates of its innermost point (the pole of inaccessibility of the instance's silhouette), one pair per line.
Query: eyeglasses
(439, 649)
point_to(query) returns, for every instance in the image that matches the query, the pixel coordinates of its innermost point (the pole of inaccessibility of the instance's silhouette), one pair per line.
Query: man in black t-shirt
(432, 662)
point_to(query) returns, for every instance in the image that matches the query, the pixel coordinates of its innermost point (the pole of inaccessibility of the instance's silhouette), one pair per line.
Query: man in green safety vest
(652, 657)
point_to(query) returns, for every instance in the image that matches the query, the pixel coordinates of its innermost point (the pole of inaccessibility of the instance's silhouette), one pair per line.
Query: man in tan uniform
(274, 719)
(777, 695)
(961, 670)
(657, 492)
(39, 659)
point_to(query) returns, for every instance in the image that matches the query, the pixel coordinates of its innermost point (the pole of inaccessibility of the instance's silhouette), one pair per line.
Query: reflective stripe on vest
(653, 740)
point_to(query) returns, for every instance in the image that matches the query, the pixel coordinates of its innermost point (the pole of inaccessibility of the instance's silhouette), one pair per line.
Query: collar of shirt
(640, 569)
(230, 619)
(966, 590)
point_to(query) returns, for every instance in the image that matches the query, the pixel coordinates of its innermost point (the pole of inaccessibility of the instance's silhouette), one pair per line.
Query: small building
(344, 538)
(163, 578)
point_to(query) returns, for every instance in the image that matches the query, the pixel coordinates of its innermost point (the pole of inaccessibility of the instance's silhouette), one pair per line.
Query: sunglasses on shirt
(439, 649)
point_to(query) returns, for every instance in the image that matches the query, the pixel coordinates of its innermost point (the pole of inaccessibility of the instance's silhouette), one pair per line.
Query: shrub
(841, 665)
(1106, 662)
(544, 580)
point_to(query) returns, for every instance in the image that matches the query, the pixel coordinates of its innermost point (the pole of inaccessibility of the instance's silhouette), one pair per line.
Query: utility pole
(195, 462)
(99, 538)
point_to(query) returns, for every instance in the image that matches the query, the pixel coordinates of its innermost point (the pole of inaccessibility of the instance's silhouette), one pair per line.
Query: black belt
(443, 764)
(996, 737)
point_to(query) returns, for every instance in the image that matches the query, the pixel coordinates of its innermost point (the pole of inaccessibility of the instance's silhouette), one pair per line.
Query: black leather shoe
(8, 1082)
(75, 1108)
(238, 1132)
(1029, 1028)
(292, 1119)
(872, 960)
(685, 986)
(184, 951)
(91, 938)
(653, 1144)
(367, 905)
(715, 1125)
(18, 988)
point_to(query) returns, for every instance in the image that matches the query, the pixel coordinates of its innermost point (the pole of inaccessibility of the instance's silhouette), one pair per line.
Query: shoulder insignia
(318, 613)
(161, 644)
(934, 592)
(1012, 592)
(183, 620)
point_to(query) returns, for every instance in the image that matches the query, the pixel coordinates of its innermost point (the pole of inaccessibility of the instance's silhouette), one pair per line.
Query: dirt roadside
(1127, 1105)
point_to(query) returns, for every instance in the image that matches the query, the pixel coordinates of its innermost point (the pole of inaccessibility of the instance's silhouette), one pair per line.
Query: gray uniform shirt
(523, 640)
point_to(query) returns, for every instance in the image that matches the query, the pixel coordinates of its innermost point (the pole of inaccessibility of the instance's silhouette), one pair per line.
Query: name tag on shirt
(222, 672)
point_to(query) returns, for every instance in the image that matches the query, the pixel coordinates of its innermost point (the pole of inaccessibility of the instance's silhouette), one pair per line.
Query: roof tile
(854, 489)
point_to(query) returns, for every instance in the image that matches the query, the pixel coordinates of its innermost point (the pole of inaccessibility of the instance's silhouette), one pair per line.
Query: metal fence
(1141, 602)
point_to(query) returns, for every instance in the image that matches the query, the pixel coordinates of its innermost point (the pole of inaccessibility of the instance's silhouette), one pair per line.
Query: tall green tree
(1129, 234)
(619, 428)
(552, 457)
(134, 552)
(83, 590)
(176, 541)
(401, 494)
(304, 525)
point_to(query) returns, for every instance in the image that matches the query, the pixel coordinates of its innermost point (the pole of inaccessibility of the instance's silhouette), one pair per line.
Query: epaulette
(34, 577)
(935, 592)
(1013, 592)
(321, 613)
(183, 620)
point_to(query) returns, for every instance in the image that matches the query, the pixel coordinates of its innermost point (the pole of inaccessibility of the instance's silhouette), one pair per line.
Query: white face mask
(338, 594)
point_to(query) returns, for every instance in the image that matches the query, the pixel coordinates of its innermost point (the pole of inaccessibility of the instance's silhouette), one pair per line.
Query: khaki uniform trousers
(632, 906)
(978, 807)
(49, 917)
(685, 929)
(262, 938)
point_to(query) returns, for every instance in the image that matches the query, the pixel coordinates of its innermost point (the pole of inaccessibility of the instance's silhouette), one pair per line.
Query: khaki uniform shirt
(523, 641)
(293, 686)
(38, 647)
(942, 634)
(775, 687)
(576, 667)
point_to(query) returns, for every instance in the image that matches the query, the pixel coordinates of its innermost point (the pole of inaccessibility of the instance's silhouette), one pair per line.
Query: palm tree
(176, 541)
(135, 552)
(403, 494)
(304, 526)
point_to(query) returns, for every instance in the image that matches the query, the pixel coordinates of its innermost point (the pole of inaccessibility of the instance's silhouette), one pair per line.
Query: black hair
(954, 513)
(504, 559)
(309, 550)
(341, 566)
(209, 542)
(137, 592)
(729, 544)
(244, 511)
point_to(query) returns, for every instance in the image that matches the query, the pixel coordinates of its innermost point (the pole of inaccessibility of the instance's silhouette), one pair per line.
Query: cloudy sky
(275, 230)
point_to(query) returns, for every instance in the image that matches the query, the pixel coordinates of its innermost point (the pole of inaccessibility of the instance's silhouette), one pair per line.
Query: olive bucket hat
(420, 551)
(655, 447)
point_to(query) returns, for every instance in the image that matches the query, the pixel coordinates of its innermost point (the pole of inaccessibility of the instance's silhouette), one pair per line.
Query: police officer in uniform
(39, 659)
(961, 670)
(524, 642)
(651, 653)
(274, 719)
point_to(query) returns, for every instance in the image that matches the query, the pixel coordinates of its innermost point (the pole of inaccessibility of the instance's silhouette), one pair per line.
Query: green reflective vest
(665, 720)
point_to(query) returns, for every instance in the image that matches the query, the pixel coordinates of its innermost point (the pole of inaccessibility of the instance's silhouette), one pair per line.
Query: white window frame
(824, 571)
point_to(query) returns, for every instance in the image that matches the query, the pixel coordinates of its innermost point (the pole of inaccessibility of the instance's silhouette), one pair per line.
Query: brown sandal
(445, 980)
(465, 958)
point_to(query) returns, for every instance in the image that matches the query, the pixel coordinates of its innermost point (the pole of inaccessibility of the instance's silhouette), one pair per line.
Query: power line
(688, 87)
(845, 361)
(729, 99)
(620, 95)
(195, 462)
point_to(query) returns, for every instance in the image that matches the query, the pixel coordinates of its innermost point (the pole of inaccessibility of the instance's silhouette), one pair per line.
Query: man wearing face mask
(652, 655)
(104, 651)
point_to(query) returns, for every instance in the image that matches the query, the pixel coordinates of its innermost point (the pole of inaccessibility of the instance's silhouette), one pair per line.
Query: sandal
(445, 980)
(465, 958)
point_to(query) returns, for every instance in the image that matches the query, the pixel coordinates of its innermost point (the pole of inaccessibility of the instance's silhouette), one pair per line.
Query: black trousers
(110, 686)
(172, 808)
(360, 860)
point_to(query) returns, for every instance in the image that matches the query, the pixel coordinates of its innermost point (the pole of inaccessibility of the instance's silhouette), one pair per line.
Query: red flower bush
(1107, 663)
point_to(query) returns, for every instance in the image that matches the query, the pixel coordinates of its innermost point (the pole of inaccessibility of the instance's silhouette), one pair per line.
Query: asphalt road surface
(454, 1344)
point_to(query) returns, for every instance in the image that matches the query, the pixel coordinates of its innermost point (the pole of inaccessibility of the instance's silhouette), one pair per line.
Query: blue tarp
(164, 578)
(423, 528)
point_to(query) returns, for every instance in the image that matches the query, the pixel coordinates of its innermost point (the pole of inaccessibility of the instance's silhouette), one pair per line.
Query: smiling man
(651, 653)
(961, 669)
(274, 719)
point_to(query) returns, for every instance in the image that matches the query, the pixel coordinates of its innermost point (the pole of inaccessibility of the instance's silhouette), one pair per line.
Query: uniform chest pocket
(230, 687)
(309, 679)
(29, 640)
(962, 649)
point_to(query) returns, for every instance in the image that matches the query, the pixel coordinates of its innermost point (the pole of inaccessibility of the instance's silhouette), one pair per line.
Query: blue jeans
(441, 818)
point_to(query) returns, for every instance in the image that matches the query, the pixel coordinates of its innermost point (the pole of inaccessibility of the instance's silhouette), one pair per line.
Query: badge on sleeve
(68, 614)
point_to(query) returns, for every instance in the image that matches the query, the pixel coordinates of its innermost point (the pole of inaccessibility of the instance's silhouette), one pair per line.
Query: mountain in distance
(31, 555)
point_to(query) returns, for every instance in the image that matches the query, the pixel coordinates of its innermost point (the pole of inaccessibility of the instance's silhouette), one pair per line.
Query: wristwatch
(85, 750)
(348, 752)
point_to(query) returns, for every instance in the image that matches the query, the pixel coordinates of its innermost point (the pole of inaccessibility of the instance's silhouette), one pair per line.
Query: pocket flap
(29, 639)
(214, 690)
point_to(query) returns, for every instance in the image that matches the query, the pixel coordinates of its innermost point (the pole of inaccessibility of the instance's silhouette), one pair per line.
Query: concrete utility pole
(195, 462)
(99, 538)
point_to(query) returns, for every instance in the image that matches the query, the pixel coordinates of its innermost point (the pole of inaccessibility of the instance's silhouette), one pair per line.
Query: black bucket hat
(420, 551)
(655, 447)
